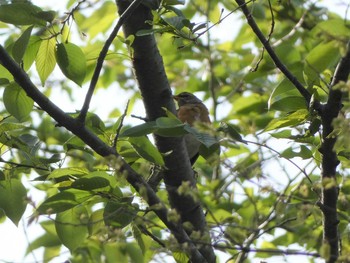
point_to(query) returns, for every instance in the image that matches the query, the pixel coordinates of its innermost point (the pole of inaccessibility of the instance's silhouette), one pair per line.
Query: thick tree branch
(279, 64)
(102, 56)
(155, 89)
(329, 112)
(76, 127)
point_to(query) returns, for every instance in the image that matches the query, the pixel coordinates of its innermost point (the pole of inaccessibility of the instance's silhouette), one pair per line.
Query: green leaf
(137, 234)
(113, 250)
(139, 130)
(204, 138)
(99, 21)
(320, 58)
(4, 81)
(71, 227)
(45, 59)
(146, 149)
(134, 252)
(334, 27)
(284, 134)
(92, 183)
(258, 11)
(31, 51)
(210, 153)
(20, 46)
(48, 16)
(285, 97)
(251, 103)
(96, 222)
(171, 127)
(289, 104)
(167, 122)
(72, 62)
(8, 126)
(176, 22)
(13, 197)
(304, 153)
(17, 102)
(23, 13)
(293, 119)
(63, 201)
(46, 240)
(118, 214)
(72, 171)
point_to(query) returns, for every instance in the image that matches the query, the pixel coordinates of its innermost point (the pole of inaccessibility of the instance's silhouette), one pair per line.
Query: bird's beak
(175, 97)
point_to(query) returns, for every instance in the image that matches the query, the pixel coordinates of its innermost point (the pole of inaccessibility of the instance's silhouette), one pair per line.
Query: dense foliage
(268, 182)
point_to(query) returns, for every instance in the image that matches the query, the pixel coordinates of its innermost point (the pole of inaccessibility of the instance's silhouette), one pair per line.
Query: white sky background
(13, 240)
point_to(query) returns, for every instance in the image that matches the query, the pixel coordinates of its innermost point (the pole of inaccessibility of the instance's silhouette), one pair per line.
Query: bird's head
(186, 98)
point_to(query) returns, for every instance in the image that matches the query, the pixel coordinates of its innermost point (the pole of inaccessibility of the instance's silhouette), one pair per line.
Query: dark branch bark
(156, 93)
(329, 112)
(279, 64)
(77, 128)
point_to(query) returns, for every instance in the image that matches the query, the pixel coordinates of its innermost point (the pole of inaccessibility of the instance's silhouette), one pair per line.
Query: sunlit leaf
(72, 62)
(335, 27)
(321, 57)
(72, 171)
(293, 119)
(31, 51)
(285, 97)
(134, 252)
(45, 59)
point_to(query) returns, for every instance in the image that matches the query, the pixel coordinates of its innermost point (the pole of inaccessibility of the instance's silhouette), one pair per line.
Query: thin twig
(24, 165)
(272, 22)
(302, 90)
(279, 154)
(292, 32)
(120, 124)
(140, 118)
(102, 56)
(268, 38)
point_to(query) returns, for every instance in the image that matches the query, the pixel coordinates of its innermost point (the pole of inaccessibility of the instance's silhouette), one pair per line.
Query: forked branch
(77, 128)
(279, 64)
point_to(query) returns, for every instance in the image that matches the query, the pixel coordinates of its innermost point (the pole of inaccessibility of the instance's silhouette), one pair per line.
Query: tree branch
(330, 111)
(102, 56)
(156, 93)
(77, 128)
(279, 64)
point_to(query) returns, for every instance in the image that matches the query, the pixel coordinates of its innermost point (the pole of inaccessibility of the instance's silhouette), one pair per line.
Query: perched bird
(191, 109)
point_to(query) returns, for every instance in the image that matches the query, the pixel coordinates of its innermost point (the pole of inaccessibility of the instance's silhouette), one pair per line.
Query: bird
(191, 110)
